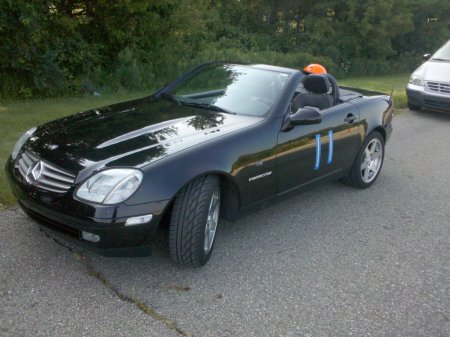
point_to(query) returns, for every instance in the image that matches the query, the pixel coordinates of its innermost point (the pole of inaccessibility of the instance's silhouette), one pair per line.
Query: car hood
(438, 71)
(134, 133)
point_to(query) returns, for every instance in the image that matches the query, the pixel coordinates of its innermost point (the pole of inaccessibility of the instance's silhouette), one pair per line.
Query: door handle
(350, 118)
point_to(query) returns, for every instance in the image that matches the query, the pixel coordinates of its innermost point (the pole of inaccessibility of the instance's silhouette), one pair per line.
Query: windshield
(235, 89)
(443, 54)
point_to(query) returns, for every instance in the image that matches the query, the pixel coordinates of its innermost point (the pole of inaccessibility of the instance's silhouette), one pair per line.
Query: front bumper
(427, 100)
(67, 216)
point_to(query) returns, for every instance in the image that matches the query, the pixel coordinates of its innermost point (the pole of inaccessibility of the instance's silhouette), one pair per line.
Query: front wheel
(194, 221)
(368, 162)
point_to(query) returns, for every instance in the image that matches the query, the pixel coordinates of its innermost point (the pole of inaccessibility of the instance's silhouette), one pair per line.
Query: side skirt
(264, 203)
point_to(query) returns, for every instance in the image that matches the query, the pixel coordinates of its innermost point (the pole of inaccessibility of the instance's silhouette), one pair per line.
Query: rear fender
(375, 113)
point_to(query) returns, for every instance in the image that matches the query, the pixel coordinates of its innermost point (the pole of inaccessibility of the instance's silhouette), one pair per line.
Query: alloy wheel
(371, 161)
(212, 221)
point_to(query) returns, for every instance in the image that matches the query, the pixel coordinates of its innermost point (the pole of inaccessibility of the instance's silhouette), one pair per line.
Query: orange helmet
(315, 69)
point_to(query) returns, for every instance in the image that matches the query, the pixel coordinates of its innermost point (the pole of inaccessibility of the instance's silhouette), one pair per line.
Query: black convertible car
(215, 143)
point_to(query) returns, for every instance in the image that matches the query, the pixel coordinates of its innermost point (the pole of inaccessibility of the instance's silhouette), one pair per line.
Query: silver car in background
(429, 85)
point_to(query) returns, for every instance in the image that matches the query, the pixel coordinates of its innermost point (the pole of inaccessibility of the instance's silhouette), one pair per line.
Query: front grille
(439, 87)
(50, 177)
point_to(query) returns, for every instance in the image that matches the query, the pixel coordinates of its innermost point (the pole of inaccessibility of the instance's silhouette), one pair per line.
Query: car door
(306, 153)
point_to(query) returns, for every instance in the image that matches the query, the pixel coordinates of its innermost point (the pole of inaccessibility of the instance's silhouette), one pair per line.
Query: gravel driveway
(334, 261)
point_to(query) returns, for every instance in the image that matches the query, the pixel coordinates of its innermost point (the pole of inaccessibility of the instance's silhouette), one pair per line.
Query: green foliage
(51, 47)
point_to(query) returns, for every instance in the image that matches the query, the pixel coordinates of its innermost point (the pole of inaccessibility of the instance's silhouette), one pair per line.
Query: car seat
(334, 88)
(319, 93)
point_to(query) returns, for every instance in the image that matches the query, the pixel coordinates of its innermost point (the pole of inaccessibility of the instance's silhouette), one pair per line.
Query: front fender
(236, 156)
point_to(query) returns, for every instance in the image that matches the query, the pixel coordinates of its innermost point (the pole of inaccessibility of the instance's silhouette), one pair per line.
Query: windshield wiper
(170, 97)
(208, 107)
(440, 59)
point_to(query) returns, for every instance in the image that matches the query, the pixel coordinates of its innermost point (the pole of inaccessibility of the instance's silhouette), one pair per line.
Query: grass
(382, 84)
(19, 116)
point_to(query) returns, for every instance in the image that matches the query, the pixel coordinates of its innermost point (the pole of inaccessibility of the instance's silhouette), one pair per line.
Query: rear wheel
(368, 162)
(194, 221)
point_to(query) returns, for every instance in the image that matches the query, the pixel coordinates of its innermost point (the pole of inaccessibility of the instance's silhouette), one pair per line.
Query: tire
(365, 171)
(414, 107)
(194, 220)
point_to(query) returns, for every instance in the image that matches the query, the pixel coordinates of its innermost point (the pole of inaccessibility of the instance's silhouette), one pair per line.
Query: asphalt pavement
(334, 261)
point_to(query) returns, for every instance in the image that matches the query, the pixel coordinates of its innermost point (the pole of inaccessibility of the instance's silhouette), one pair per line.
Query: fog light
(137, 220)
(90, 236)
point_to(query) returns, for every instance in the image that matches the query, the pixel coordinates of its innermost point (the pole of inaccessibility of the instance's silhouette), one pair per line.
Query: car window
(238, 89)
(443, 54)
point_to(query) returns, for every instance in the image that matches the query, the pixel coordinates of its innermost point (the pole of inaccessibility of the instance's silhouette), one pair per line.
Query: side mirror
(426, 57)
(305, 116)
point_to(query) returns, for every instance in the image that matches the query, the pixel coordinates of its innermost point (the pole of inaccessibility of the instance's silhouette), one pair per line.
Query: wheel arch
(231, 196)
(382, 131)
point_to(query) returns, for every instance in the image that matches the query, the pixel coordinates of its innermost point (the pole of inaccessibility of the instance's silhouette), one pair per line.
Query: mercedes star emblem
(34, 172)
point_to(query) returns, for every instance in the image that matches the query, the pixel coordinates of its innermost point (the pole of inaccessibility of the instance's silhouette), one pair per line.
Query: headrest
(317, 84)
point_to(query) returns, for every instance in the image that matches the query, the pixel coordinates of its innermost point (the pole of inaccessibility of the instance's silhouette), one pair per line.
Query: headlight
(416, 80)
(20, 142)
(110, 186)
